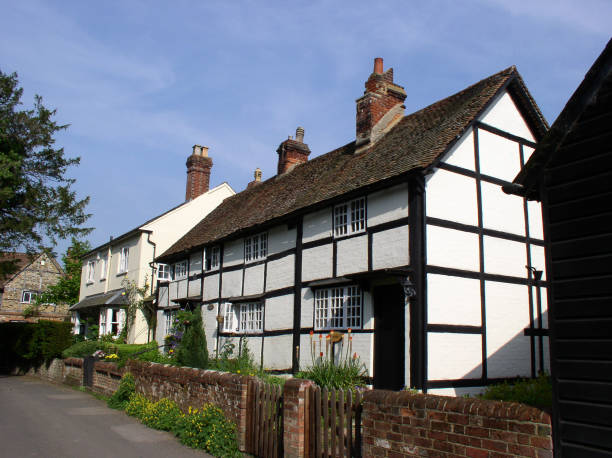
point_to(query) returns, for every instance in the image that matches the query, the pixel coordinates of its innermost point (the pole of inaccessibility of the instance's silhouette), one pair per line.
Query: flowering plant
(98, 354)
(112, 356)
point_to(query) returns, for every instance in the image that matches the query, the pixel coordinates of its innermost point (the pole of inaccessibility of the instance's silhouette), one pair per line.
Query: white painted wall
(352, 255)
(534, 211)
(211, 287)
(281, 239)
(538, 259)
(500, 211)
(278, 352)
(453, 300)
(453, 356)
(254, 279)
(390, 248)
(505, 257)
(233, 253)
(279, 313)
(462, 152)
(452, 197)
(317, 225)
(194, 288)
(387, 205)
(507, 315)
(232, 284)
(504, 115)
(281, 273)
(452, 248)
(499, 157)
(317, 262)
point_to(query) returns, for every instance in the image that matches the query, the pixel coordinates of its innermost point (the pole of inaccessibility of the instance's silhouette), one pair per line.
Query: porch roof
(115, 297)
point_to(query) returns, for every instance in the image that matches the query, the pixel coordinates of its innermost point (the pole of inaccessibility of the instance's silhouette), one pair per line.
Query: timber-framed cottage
(403, 235)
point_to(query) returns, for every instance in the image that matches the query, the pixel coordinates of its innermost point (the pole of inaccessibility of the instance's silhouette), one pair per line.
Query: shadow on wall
(508, 355)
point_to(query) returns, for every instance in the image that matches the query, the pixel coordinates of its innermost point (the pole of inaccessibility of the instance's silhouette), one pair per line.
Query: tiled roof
(413, 143)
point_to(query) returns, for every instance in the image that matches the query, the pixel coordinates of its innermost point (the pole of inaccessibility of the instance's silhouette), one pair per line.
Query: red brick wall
(406, 424)
(194, 387)
(106, 377)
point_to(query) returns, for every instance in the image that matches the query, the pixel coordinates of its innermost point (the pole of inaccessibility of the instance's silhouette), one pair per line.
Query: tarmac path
(41, 419)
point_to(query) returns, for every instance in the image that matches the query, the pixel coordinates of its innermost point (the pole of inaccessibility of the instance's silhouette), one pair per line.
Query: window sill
(352, 234)
(89, 282)
(119, 274)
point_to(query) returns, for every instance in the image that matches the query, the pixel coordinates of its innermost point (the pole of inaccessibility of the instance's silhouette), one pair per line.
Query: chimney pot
(257, 174)
(378, 65)
(299, 134)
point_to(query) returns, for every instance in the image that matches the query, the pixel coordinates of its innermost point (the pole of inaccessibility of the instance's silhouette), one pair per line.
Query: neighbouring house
(18, 291)
(404, 236)
(571, 174)
(130, 257)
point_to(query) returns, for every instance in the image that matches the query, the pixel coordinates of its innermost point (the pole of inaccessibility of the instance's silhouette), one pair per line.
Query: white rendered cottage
(403, 235)
(131, 255)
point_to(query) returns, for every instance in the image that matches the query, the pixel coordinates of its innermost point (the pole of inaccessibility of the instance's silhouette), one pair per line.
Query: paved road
(42, 419)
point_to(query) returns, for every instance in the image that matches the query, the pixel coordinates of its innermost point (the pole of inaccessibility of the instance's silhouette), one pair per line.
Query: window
(212, 257)
(170, 316)
(350, 217)
(91, 267)
(115, 322)
(103, 268)
(245, 318)
(163, 272)
(27, 297)
(123, 260)
(255, 247)
(102, 330)
(338, 308)
(180, 270)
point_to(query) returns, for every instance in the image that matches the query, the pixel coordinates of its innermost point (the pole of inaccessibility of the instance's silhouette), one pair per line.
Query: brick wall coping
(109, 368)
(76, 362)
(187, 374)
(472, 406)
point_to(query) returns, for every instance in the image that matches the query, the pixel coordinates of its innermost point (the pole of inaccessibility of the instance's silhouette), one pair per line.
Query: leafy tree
(36, 200)
(66, 290)
(192, 350)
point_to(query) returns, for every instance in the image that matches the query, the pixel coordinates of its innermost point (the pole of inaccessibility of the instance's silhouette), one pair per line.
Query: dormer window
(212, 257)
(163, 272)
(256, 247)
(180, 270)
(350, 217)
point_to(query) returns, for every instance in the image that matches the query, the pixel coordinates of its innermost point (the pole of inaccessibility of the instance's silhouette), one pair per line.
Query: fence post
(88, 371)
(296, 419)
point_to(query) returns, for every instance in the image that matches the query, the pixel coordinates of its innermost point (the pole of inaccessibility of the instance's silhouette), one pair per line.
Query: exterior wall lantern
(409, 290)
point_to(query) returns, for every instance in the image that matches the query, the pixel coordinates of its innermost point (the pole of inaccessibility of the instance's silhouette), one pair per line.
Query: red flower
(321, 354)
(355, 355)
(311, 333)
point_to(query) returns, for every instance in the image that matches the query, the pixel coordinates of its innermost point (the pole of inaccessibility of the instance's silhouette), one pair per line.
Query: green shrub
(24, 345)
(136, 405)
(535, 392)
(208, 429)
(191, 351)
(120, 398)
(162, 415)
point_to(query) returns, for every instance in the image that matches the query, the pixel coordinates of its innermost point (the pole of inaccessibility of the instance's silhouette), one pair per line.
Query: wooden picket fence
(335, 423)
(264, 435)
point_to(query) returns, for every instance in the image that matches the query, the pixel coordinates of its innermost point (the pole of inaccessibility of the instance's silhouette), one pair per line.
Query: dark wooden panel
(579, 451)
(592, 348)
(585, 391)
(585, 412)
(591, 205)
(584, 227)
(590, 127)
(580, 169)
(595, 436)
(589, 267)
(591, 328)
(585, 370)
(575, 151)
(583, 308)
(596, 245)
(586, 287)
(597, 183)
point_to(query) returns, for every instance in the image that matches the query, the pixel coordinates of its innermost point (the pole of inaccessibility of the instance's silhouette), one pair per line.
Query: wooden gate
(264, 436)
(335, 423)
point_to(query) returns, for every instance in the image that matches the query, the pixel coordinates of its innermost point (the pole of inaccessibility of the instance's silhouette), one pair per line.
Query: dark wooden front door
(389, 337)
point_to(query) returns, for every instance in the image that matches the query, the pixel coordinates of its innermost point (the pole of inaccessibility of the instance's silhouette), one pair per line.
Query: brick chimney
(257, 176)
(198, 172)
(292, 152)
(380, 108)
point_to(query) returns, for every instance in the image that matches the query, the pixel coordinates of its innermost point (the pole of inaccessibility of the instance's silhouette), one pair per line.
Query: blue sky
(140, 82)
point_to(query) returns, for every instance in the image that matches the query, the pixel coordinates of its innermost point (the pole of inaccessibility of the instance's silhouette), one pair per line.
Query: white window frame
(169, 316)
(124, 257)
(338, 307)
(164, 272)
(180, 270)
(243, 317)
(350, 217)
(28, 296)
(256, 247)
(212, 257)
(102, 323)
(91, 271)
(103, 266)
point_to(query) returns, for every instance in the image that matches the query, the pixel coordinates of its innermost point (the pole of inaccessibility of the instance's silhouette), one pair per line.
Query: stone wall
(407, 424)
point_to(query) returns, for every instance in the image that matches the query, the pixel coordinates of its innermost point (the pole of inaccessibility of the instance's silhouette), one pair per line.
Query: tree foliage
(37, 204)
(66, 290)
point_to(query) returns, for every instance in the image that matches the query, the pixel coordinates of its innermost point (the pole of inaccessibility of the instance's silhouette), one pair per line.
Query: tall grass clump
(536, 392)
